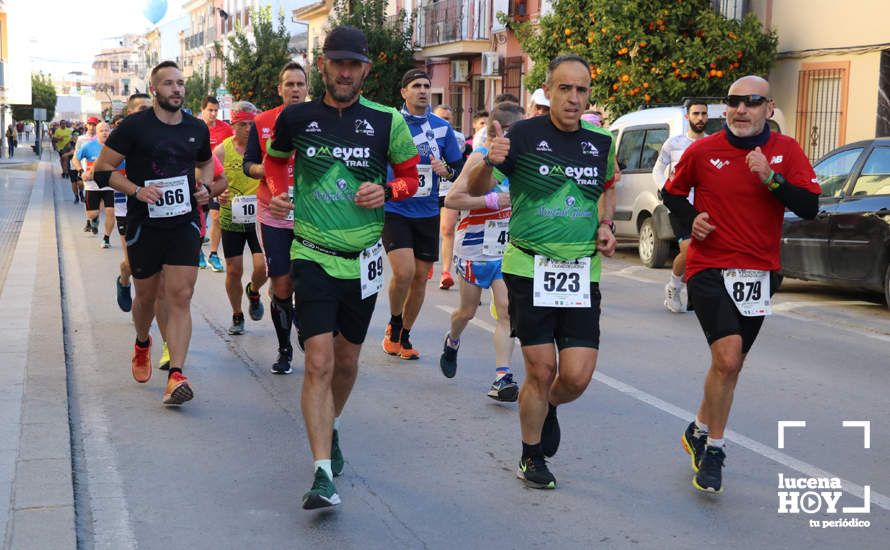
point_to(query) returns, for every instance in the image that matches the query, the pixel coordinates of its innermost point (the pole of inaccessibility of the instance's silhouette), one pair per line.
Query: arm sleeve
(676, 190)
(252, 153)
(278, 151)
(662, 164)
(610, 167)
(404, 182)
(799, 188)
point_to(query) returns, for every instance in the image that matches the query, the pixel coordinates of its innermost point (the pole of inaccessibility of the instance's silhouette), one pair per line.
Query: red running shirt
(218, 133)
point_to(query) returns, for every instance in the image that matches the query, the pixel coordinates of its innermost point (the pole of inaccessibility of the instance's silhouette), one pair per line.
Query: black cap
(412, 75)
(346, 42)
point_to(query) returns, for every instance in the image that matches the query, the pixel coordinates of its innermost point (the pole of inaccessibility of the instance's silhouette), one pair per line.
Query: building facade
(119, 71)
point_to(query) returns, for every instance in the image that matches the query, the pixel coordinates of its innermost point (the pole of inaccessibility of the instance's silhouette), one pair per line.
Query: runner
(135, 103)
(411, 229)
(276, 235)
(671, 151)
(219, 131)
(447, 216)
(85, 161)
(744, 177)
(162, 146)
(237, 218)
(560, 172)
(343, 144)
(64, 145)
(482, 234)
(76, 175)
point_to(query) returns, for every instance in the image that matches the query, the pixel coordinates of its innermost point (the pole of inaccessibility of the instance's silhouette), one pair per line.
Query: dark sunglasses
(751, 100)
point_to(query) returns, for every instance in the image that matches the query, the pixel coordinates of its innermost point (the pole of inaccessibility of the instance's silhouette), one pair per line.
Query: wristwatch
(609, 223)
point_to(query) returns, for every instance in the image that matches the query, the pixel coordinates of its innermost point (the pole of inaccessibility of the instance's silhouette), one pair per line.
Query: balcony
(450, 27)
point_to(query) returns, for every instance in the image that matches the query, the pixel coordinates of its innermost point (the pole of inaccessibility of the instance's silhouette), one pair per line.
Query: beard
(330, 84)
(745, 131)
(698, 128)
(166, 105)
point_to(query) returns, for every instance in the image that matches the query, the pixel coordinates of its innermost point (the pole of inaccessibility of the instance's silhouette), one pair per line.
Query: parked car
(639, 214)
(848, 244)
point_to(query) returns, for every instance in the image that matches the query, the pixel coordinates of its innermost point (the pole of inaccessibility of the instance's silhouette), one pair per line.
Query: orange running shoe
(178, 390)
(390, 347)
(407, 352)
(141, 364)
(429, 274)
(446, 281)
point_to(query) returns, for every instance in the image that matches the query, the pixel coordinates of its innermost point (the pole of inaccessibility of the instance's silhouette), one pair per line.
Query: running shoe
(709, 478)
(282, 364)
(534, 472)
(94, 226)
(215, 264)
(337, 461)
(323, 494)
(407, 351)
(164, 363)
(124, 299)
(141, 363)
(202, 263)
(550, 433)
(673, 299)
(504, 389)
(178, 390)
(389, 346)
(76, 198)
(105, 243)
(88, 226)
(694, 446)
(429, 274)
(446, 281)
(448, 359)
(237, 324)
(255, 307)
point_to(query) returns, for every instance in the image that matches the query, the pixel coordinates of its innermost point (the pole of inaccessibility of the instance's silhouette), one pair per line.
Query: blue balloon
(154, 10)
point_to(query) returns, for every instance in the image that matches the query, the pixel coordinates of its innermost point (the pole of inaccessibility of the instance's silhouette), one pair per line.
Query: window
(875, 176)
(457, 108)
(731, 9)
(834, 171)
(639, 147)
(512, 83)
(821, 107)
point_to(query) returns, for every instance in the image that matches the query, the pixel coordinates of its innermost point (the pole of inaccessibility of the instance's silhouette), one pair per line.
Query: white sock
(337, 424)
(677, 282)
(326, 466)
(702, 427)
(711, 443)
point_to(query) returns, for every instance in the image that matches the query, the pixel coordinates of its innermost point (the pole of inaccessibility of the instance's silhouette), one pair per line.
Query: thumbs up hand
(758, 164)
(498, 146)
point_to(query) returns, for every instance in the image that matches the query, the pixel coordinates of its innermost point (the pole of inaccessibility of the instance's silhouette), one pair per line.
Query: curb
(41, 496)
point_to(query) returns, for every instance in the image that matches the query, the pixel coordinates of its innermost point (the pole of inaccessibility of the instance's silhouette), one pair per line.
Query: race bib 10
(244, 209)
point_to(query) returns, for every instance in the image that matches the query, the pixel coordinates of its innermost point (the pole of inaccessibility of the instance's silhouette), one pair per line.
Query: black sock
(551, 409)
(238, 317)
(251, 293)
(395, 322)
(174, 369)
(406, 333)
(529, 451)
(143, 344)
(282, 317)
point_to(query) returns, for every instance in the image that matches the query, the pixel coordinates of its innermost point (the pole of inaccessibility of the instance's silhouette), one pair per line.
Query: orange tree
(649, 51)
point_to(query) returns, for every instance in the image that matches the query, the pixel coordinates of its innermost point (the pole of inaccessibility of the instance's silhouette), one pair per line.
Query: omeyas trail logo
(583, 175)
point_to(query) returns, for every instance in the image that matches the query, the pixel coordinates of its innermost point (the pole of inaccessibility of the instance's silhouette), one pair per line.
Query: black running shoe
(448, 359)
(694, 446)
(504, 389)
(550, 433)
(282, 364)
(709, 478)
(534, 472)
(94, 226)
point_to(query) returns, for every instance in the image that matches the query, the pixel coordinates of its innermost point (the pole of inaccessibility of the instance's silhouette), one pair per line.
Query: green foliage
(389, 47)
(649, 51)
(199, 86)
(253, 64)
(43, 96)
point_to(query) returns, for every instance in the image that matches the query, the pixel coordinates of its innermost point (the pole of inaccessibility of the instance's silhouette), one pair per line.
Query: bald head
(748, 106)
(102, 131)
(750, 84)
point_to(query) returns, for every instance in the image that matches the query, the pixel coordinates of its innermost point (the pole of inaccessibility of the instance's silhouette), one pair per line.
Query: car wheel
(887, 286)
(653, 251)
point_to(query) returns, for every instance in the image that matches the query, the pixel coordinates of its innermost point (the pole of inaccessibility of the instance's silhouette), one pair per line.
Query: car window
(875, 176)
(629, 149)
(833, 172)
(655, 138)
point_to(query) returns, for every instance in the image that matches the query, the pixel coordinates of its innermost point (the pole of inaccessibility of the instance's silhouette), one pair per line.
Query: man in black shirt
(162, 147)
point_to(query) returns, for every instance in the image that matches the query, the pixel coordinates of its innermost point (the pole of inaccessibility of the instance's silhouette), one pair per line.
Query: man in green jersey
(342, 143)
(561, 176)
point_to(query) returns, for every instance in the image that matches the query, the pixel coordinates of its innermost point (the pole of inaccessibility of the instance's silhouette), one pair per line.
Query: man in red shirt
(744, 176)
(219, 131)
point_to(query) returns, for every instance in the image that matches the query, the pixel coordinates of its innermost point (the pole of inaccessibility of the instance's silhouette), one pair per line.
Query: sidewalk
(36, 485)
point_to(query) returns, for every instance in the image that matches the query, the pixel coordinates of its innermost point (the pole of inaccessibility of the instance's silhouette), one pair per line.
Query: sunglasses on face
(751, 100)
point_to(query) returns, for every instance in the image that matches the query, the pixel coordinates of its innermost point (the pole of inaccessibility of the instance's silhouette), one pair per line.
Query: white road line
(754, 446)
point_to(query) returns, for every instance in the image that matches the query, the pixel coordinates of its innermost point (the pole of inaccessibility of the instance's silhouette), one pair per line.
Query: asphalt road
(430, 462)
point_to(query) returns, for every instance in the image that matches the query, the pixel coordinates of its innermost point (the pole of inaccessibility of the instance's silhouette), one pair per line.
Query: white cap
(540, 99)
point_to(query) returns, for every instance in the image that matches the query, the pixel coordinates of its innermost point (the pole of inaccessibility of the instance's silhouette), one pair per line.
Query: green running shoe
(323, 494)
(336, 455)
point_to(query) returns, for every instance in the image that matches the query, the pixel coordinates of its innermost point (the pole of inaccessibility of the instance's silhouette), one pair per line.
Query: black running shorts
(716, 312)
(328, 304)
(92, 198)
(569, 327)
(121, 225)
(151, 248)
(233, 242)
(276, 242)
(419, 234)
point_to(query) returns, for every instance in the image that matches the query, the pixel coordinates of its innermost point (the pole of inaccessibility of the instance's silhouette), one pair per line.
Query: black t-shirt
(154, 151)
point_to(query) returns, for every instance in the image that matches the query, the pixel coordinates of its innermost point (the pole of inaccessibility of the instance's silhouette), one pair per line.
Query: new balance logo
(544, 146)
(313, 127)
(191, 140)
(718, 164)
(777, 159)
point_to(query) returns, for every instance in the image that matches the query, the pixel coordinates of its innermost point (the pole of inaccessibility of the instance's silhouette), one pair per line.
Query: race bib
(561, 284)
(444, 187)
(371, 266)
(424, 180)
(290, 197)
(244, 209)
(175, 197)
(749, 291)
(497, 232)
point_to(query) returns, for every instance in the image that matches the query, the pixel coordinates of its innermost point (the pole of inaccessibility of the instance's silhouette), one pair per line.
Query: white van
(639, 214)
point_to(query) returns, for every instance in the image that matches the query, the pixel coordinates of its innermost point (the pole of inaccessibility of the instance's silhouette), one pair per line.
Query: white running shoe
(673, 299)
